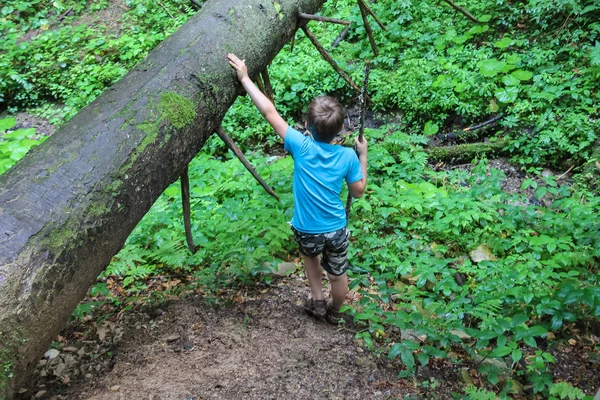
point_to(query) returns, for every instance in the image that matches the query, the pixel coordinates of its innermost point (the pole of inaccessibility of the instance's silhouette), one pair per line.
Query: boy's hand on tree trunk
(238, 65)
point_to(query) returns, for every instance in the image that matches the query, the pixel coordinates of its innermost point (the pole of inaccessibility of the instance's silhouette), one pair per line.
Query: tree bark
(68, 206)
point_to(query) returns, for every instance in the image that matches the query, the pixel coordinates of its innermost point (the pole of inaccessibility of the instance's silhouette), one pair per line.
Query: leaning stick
(236, 150)
(363, 102)
(328, 58)
(185, 202)
(363, 13)
(259, 83)
(361, 134)
(462, 10)
(340, 37)
(481, 125)
(324, 19)
(268, 88)
(368, 9)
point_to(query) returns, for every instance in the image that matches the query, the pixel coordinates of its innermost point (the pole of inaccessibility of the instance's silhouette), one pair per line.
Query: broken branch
(236, 150)
(328, 58)
(368, 9)
(185, 201)
(324, 19)
(461, 10)
(444, 137)
(363, 112)
(341, 37)
(368, 29)
(268, 88)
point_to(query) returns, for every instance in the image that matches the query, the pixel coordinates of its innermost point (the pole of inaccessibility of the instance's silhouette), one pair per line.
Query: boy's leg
(312, 267)
(339, 289)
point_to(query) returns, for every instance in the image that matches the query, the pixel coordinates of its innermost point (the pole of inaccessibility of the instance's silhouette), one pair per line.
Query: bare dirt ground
(261, 346)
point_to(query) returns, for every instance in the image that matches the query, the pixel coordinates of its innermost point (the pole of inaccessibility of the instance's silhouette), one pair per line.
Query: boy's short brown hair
(325, 118)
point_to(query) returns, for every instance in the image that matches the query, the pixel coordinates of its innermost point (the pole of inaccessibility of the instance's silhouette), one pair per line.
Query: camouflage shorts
(332, 245)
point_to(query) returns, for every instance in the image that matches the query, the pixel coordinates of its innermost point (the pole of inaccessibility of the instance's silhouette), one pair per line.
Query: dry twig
(236, 150)
(328, 58)
(363, 112)
(368, 29)
(462, 10)
(185, 200)
(362, 3)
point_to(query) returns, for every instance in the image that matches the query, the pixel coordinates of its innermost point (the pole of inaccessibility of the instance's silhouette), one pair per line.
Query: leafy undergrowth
(532, 287)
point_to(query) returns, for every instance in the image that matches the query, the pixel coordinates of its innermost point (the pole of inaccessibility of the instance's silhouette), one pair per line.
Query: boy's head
(325, 118)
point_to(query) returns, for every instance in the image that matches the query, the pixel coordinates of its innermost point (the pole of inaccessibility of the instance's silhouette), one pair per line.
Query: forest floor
(260, 346)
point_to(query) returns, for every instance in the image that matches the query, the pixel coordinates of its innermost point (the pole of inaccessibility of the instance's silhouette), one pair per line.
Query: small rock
(482, 253)
(23, 390)
(41, 363)
(115, 388)
(284, 269)
(71, 349)
(39, 394)
(172, 338)
(51, 354)
(235, 337)
(366, 362)
(546, 173)
(465, 377)
(60, 368)
(461, 334)
(66, 379)
(498, 366)
(513, 387)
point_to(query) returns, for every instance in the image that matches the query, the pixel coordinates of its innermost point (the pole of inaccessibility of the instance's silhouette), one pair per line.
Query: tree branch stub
(324, 19)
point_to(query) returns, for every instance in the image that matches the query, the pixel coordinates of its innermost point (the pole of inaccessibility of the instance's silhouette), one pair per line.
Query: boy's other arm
(357, 189)
(264, 105)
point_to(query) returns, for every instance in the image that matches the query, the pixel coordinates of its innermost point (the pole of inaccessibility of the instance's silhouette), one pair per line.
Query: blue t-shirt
(319, 172)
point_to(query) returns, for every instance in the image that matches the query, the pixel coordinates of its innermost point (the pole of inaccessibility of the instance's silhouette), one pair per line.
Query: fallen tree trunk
(68, 206)
(466, 152)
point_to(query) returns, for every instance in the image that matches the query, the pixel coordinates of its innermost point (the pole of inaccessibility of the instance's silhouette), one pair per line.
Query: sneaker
(333, 316)
(315, 308)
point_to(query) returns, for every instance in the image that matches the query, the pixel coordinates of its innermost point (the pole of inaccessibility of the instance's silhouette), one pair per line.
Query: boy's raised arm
(264, 105)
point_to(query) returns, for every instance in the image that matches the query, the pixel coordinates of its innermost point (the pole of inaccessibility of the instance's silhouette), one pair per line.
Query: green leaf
(501, 351)
(7, 123)
(530, 341)
(516, 355)
(522, 75)
(519, 319)
(460, 87)
(430, 128)
(503, 43)
(411, 345)
(491, 67)
(20, 134)
(423, 358)
(507, 95)
(510, 80)
(395, 351)
(407, 359)
(501, 341)
(537, 330)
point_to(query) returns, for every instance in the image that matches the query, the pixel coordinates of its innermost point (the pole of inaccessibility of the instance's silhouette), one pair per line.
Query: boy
(319, 222)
